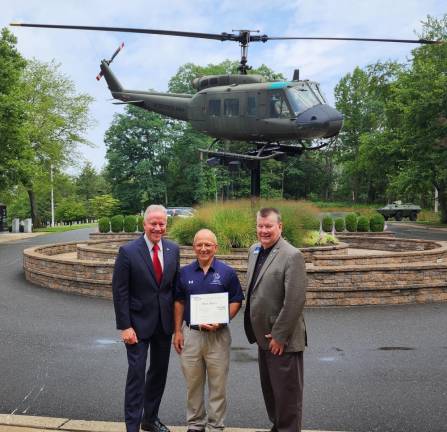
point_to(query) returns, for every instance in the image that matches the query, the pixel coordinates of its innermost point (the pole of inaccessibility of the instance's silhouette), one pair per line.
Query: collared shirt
(150, 245)
(219, 278)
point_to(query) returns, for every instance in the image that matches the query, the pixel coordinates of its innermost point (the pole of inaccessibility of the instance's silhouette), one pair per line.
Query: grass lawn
(64, 228)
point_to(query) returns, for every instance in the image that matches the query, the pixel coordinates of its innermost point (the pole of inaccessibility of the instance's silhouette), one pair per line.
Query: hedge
(351, 222)
(104, 225)
(377, 223)
(130, 224)
(116, 223)
(362, 224)
(339, 224)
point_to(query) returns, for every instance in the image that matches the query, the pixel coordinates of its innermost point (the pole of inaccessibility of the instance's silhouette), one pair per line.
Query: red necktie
(157, 264)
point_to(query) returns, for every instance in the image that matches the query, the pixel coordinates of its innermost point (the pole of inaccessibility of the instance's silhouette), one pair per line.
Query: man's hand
(178, 342)
(129, 336)
(275, 347)
(210, 327)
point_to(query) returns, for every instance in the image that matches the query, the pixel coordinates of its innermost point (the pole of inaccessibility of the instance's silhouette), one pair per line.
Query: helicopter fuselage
(244, 109)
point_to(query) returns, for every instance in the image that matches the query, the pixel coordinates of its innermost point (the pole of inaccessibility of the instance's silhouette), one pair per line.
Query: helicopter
(241, 107)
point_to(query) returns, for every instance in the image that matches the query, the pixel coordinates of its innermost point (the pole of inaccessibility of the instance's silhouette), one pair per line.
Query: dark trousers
(144, 390)
(282, 388)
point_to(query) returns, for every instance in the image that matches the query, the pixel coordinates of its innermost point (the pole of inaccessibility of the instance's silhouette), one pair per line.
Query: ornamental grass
(234, 222)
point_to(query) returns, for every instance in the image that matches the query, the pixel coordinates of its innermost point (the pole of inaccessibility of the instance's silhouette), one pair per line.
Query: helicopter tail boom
(112, 81)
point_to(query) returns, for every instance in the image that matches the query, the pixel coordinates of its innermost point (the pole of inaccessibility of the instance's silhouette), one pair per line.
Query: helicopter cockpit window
(278, 106)
(301, 99)
(251, 105)
(231, 107)
(214, 107)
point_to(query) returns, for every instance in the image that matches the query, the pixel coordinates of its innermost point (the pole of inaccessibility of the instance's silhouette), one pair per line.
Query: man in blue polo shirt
(205, 349)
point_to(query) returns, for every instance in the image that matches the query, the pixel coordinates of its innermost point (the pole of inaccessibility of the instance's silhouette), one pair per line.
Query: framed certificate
(209, 308)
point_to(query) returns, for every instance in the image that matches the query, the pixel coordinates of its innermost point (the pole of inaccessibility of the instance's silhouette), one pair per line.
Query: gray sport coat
(278, 296)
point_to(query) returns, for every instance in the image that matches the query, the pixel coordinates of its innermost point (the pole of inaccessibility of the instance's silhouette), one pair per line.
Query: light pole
(52, 196)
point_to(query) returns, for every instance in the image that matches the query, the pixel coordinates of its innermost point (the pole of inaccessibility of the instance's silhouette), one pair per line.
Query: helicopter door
(277, 106)
(252, 112)
(213, 114)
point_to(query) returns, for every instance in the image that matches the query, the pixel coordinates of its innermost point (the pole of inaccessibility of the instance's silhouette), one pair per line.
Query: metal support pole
(52, 196)
(256, 180)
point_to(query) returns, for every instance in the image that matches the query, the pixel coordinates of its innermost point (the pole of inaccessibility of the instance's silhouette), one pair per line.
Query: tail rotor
(101, 73)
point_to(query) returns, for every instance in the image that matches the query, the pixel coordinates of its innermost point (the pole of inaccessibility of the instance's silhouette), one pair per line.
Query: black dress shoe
(154, 426)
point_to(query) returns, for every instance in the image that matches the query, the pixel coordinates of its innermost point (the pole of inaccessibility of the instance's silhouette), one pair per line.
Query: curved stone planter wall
(335, 279)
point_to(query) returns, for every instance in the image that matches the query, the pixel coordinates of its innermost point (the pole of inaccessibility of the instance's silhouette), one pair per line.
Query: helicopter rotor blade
(243, 36)
(101, 73)
(413, 41)
(221, 37)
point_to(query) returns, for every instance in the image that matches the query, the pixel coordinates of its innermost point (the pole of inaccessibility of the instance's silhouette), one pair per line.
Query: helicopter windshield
(301, 99)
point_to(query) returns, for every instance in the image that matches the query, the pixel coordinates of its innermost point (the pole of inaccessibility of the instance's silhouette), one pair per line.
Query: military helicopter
(243, 107)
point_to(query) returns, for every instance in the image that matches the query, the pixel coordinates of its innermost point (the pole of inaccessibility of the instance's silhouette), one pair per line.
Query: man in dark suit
(144, 282)
(276, 281)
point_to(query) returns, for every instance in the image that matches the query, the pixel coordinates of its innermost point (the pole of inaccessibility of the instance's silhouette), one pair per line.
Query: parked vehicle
(398, 211)
(180, 211)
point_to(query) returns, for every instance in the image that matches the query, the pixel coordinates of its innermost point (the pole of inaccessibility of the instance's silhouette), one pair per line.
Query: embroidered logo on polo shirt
(216, 279)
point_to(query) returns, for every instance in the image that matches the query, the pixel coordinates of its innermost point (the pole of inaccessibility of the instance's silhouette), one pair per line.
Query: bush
(351, 222)
(327, 224)
(339, 224)
(140, 221)
(104, 225)
(234, 222)
(184, 229)
(314, 238)
(130, 224)
(362, 224)
(311, 223)
(116, 223)
(377, 223)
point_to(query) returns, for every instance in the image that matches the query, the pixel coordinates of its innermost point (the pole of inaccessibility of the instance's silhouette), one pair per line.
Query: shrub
(339, 224)
(314, 238)
(104, 225)
(351, 222)
(130, 224)
(116, 223)
(311, 223)
(234, 222)
(140, 221)
(327, 224)
(376, 223)
(184, 229)
(362, 224)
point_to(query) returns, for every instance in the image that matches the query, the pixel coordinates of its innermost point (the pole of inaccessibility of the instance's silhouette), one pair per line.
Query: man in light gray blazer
(276, 282)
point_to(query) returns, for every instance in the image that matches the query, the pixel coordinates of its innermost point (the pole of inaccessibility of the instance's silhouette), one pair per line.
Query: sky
(149, 61)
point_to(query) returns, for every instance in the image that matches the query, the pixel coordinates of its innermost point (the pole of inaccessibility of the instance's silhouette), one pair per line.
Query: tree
(417, 112)
(56, 119)
(12, 112)
(137, 153)
(103, 205)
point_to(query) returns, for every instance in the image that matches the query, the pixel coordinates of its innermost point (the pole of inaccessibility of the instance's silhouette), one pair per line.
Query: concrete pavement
(23, 423)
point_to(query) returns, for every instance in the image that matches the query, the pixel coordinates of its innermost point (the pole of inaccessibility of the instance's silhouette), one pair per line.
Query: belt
(196, 327)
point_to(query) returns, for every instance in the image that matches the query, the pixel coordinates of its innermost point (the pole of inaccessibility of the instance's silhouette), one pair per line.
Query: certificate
(209, 308)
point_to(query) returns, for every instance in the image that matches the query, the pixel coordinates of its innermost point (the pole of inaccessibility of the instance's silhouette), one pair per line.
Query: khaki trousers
(206, 353)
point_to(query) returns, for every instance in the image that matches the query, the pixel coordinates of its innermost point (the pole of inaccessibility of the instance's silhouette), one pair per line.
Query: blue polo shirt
(220, 278)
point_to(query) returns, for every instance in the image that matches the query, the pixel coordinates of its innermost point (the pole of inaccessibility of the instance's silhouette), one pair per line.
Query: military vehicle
(241, 107)
(398, 211)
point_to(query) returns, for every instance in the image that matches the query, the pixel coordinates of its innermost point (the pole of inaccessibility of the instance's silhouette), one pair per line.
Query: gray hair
(267, 211)
(155, 208)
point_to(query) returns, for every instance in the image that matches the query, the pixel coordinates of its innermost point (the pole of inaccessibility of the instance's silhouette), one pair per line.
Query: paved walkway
(22, 423)
(10, 237)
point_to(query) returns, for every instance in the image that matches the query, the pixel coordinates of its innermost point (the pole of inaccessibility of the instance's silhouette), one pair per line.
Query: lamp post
(52, 196)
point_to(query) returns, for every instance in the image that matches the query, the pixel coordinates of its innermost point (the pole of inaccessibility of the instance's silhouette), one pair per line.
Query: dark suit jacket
(278, 296)
(139, 301)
